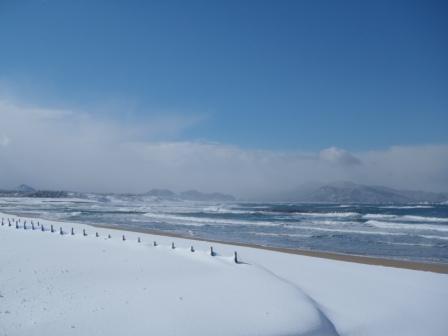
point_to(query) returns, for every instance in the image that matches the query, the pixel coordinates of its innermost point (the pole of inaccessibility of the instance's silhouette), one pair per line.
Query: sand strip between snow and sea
(412, 265)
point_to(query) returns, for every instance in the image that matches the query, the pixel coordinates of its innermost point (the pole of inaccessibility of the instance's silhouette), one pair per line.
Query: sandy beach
(412, 265)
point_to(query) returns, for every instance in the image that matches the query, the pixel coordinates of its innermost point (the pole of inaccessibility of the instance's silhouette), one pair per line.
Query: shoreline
(376, 261)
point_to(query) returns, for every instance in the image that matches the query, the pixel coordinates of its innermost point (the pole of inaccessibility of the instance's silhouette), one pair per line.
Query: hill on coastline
(337, 192)
(349, 192)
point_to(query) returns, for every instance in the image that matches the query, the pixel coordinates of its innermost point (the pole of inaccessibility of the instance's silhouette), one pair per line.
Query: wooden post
(155, 243)
(123, 238)
(32, 226)
(84, 232)
(17, 225)
(235, 258)
(96, 234)
(52, 229)
(212, 253)
(172, 246)
(73, 232)
(109, 236)
(42, 228)
(24, 225)
(139, 240)
(60, 231)
(192, 248)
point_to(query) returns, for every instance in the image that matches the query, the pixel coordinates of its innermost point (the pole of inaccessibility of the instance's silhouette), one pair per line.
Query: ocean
(417, 232)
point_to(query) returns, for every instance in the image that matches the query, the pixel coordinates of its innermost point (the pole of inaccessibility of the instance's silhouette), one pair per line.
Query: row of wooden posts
(84, 233)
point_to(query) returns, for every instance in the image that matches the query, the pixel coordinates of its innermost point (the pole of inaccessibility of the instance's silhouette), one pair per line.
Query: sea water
(410, 232)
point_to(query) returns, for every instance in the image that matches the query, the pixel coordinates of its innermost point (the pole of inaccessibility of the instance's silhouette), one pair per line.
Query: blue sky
(281, 75)
(246, 97)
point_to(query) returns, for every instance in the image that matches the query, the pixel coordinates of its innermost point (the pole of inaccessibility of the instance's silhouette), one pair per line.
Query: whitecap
(328, 214)
(405, 226)
(406, 207)
(385, 233)
(434, 237)
(270, 234)
(177, 219)
(406, 218)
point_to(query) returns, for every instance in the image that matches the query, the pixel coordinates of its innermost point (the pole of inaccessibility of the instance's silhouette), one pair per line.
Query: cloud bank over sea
(65, 149)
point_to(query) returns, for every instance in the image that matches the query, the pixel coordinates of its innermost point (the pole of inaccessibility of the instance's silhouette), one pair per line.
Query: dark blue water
(412, 232)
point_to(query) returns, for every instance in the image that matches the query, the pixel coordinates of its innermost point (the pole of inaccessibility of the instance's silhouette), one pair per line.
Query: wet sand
(412, 265)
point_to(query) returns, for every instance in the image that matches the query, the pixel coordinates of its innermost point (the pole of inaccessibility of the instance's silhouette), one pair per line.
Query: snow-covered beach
(53, 284)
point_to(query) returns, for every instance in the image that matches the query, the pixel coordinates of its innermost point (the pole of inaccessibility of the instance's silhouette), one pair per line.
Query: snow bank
(54, 284)
(76, 285)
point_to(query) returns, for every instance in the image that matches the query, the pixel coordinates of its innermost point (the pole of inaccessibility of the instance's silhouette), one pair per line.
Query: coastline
(376, 261)
(88, 277)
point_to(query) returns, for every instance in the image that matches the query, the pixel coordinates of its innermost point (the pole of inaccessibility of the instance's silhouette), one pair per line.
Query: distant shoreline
(404, 264)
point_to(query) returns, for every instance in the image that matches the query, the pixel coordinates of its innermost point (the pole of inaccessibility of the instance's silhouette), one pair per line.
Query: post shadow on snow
(237, 260)
(212, 253)
(9, 221)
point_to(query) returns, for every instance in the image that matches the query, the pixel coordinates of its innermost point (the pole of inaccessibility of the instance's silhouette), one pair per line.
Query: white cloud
(60, 149)
(339, 156)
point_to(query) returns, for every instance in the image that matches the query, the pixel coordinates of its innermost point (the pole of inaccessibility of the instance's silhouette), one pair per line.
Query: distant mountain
(25, 188)
(162, 193)
(194, 195)
(349, 192)
(337, 192)
(190, 195)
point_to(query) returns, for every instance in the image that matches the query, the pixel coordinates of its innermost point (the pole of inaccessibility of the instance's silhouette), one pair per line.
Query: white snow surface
(87, 285)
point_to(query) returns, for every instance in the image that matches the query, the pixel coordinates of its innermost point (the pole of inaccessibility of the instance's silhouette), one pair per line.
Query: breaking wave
(406, 226)
(406, 207)
(328, 214)
(406, 218)
(201, 221)
(434, 237)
